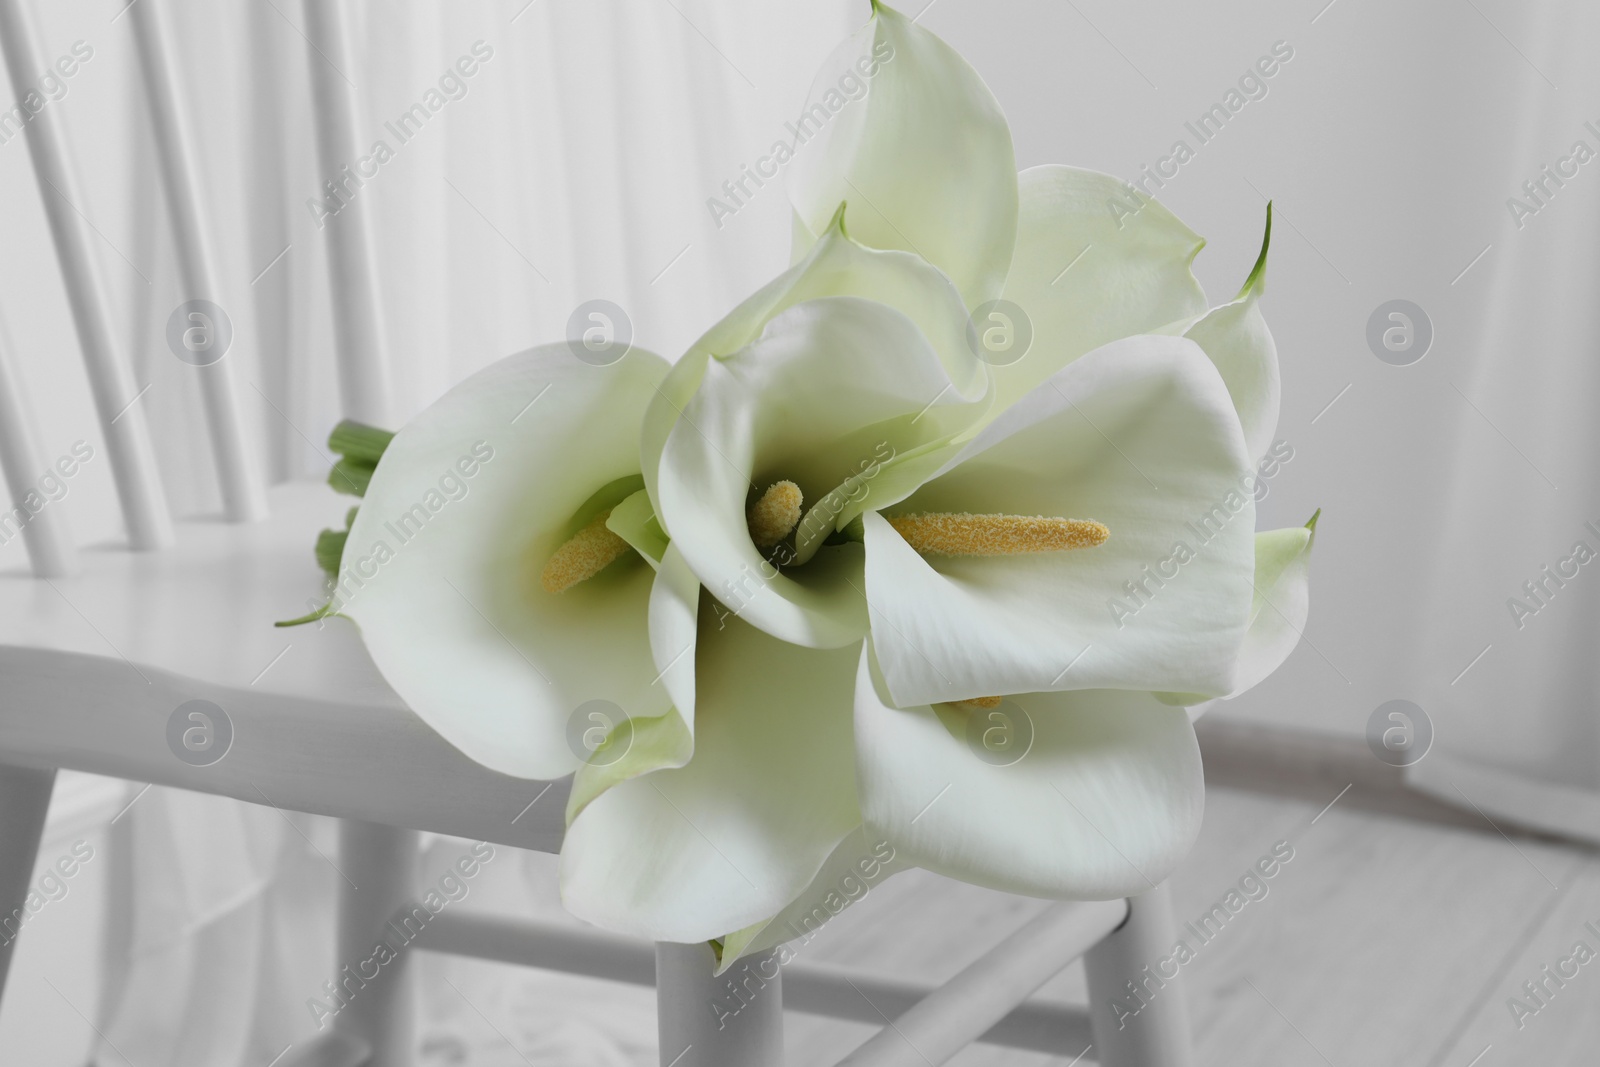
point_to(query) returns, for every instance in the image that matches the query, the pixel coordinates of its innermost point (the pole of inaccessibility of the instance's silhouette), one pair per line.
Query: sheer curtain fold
(1513, 576)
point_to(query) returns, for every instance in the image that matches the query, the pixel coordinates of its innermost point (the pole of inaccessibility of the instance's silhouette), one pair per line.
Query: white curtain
(1516, 572)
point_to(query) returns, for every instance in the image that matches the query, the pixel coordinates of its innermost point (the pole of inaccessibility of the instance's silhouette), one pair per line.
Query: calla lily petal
(662, 415)
(773, 411)
(1236, 338)
(645, 744)
(735, 835)
(835, 266)
(441, 568)
(642, 745)
(1104, 801)
(924, 159)
(1139, 435)
(1281, 604)
(674, 621)
(634, 522)
(859, 863)
(1085, 275)
(1278, 610)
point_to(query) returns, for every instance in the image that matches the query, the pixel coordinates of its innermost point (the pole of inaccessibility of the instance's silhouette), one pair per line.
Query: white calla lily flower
(1204, 597)
(1136, 448)
(1279, 608)
(1236, 337)
(1103, 801)
(834, 389)
(729, 838)
(445, 564)
(503, 579)
(821, 562)
(1090, 258)
(1139, 436)
(1085, 277)
(835, 265)
(924, 160)
(857, 864)
(1281, 604)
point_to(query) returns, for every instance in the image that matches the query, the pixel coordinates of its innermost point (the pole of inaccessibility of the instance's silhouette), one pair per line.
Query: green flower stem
(321, 613)
(358, 441)
(351, 476)
(330, 547)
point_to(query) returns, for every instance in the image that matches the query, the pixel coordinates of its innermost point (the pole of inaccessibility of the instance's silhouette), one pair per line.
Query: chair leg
(24, 801)
(1137, 1008)
(704, 1021)
(378, 867)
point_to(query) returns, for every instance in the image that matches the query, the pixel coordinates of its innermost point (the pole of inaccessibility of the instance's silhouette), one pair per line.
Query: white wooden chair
(102, 652)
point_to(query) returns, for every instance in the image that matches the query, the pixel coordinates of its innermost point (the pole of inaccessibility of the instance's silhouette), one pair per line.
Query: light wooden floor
(1383, 942)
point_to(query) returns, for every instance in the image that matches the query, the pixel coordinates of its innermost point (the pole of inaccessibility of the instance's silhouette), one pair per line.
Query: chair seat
(205, 609)
(95, 666)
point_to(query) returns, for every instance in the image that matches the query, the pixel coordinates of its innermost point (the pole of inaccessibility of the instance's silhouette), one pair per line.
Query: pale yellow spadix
(952, 534)
(584, 555)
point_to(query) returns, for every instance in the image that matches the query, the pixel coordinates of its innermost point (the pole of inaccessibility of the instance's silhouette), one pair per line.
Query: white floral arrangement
(923, 556)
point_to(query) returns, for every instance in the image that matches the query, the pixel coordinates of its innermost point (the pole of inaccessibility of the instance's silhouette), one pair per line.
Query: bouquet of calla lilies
(923, 556)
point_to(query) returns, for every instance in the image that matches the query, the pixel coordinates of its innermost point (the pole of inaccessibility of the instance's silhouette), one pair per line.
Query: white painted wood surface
(56, 970)
(324, 757)
(378, 874)
(822, 989)
(693, 1033)
(24, 802)
(331, 1049)
(206, 609)
(357, 315)
(1125, 967)
(962, 1009)
(116, 396)
(1378, 944)
(50, 548)
(95, 665)
(238, 468)
(1561, 1026)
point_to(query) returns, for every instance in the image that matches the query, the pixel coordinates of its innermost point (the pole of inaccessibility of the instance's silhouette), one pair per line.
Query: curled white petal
(442, 566)
(729, 839)
(1139, 435)
(833, 388)
(1103, 799)
(836, 266)
(923, 158)
(1094, 262)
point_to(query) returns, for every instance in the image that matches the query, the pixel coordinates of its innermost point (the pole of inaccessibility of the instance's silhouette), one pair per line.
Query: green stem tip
(358, 441)
(1258, 271)
(321, 613)
(330, 549)
(351, 476)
